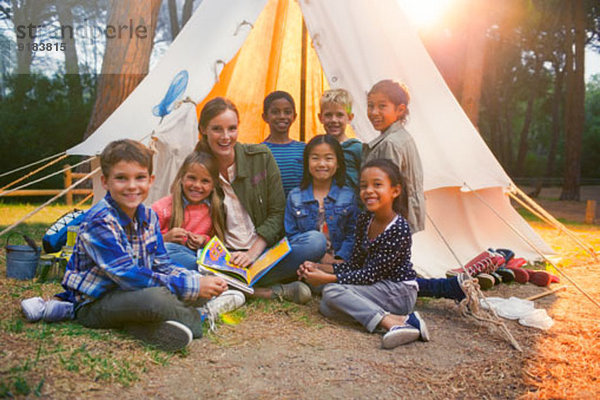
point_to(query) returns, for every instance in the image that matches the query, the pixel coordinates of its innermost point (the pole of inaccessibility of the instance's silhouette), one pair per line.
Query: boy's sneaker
(506, 274)
(227, 301)
(497, 278)
(486, 262)
(486, 281)
(57, 310)
(399, 335)
(166, 336)
(33, 308)
(540, 278)
(415, 320)
(296, 292)
(506, 253)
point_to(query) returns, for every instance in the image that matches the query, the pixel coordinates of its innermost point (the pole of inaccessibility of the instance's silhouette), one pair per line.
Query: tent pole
(32, 164)
(551, 220)
(34, 172)
(62, 171)
(303, 83)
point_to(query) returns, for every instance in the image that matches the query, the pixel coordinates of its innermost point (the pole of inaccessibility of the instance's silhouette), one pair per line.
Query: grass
(41, 357)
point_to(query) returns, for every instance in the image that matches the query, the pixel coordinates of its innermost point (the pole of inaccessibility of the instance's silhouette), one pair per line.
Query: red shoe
(540, 278)
(521, 275)
(554, 279)
(486, 262)
(516, 263)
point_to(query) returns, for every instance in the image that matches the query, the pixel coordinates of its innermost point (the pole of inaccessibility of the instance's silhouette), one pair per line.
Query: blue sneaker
(415, 320)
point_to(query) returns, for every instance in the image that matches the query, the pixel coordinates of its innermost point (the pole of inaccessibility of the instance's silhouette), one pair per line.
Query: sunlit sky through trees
(426, 13)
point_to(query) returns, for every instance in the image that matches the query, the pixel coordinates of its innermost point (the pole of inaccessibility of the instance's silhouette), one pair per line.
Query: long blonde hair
(217, 213)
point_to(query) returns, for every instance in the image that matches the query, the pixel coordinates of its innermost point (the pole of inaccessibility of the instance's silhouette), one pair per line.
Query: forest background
(519, 77)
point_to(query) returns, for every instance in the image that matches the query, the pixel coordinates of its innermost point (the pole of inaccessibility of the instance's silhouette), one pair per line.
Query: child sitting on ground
(335, 115)
(194, 210)
(279, 112)
(377, 286)
(120, 275)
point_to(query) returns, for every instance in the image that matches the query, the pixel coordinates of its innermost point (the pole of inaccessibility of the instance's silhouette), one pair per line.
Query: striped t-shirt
(289, 160)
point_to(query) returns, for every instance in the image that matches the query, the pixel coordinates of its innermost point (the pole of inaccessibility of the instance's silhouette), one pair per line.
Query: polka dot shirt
(385, 258)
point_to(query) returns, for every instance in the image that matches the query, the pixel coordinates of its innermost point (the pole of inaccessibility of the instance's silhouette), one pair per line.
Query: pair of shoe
(297, 292)
(522, 275)
(174, 336)
(413, 329)
(36, 308)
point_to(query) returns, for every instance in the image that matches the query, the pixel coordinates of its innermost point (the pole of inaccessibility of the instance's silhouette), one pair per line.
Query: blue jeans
(447, 288)
(182, 255)
(307, 246)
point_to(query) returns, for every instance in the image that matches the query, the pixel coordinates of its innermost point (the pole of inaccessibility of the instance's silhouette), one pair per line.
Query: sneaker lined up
(482, 266)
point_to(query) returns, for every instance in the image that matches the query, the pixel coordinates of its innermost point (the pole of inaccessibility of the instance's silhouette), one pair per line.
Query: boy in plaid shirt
(120, 275)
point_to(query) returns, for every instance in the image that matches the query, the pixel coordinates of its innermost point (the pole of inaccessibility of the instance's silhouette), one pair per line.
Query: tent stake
(546, 293)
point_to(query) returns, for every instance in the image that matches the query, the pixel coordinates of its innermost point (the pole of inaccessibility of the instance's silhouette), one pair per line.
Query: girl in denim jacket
(322, 203)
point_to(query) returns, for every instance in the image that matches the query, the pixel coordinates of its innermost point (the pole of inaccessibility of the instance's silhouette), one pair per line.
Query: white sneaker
(57, 311)
(399, 335)
(33, 308)
(167, 335)
(226, 302)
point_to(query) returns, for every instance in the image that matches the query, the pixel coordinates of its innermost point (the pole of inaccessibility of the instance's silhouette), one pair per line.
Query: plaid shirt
(113, 252)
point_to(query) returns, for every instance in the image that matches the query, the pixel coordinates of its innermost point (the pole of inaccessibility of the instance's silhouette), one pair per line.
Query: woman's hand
(241, 259)
(176, 235)
(211, 286)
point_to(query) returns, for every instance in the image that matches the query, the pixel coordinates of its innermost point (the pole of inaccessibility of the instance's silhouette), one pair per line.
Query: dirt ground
(274, 356)
(291, 352)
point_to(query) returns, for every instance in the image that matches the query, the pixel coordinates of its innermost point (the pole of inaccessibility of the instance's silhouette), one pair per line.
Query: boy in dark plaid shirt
(120, 275)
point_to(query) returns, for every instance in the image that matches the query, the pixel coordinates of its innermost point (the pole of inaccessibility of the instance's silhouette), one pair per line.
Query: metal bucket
(21, 260)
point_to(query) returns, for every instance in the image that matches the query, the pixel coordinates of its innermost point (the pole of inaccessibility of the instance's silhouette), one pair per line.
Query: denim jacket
(302, 212)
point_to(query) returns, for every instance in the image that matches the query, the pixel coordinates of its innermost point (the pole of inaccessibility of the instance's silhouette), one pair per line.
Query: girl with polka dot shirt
(376, 286)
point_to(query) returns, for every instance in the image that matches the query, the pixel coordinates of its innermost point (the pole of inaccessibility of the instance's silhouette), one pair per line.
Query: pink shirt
(196, 217)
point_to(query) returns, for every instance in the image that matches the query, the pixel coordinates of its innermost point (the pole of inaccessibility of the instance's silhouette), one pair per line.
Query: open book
(216, 258)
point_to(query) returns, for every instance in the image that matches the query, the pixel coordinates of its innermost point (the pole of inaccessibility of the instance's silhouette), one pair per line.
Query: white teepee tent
(237, 48)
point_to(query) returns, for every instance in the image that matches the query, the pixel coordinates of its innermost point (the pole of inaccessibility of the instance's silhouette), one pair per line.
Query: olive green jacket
(258, 187)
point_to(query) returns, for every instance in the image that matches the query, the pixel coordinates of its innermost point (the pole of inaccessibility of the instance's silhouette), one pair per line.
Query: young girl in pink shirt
(193, 213)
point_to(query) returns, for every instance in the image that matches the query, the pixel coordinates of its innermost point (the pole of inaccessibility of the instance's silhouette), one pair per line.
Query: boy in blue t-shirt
(279, 112)
(120, 275)
(335, 115)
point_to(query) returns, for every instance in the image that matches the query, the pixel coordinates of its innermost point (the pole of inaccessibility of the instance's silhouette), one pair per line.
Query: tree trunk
(575, 103)
(474, 63)
(524, 136)
(173, 20)
(65, 18)
(25, 15)
(556, 120)
(126, 60)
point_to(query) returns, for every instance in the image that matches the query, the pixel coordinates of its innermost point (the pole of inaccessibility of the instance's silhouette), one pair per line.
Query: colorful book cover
(215, 257)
